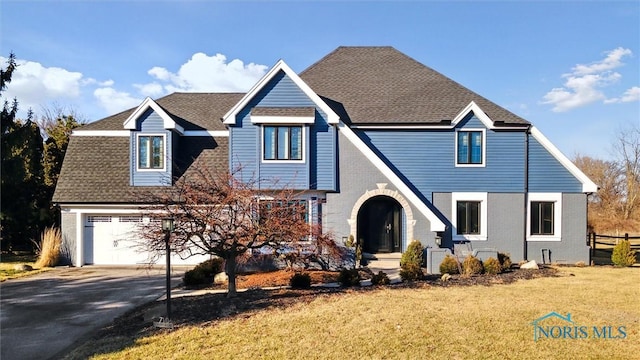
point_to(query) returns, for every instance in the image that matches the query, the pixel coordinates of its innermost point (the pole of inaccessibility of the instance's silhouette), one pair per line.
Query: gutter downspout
(526, 191)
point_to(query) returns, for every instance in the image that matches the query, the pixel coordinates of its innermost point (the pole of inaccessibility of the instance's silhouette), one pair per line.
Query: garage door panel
(115, 240)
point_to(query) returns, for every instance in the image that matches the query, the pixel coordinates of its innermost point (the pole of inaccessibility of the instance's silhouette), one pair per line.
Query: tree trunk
(230, 266)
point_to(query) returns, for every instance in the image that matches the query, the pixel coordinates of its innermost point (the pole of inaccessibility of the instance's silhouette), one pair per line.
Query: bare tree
(627, 149)
(616, 205)
(217, 214)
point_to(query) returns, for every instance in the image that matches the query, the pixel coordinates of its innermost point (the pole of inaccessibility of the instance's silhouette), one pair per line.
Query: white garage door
(114, 240)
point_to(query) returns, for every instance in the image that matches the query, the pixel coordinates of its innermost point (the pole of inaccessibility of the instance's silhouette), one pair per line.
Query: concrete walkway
(44, 314)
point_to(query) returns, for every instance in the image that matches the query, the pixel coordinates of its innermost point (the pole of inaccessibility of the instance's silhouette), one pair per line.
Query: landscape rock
(23, 267)
(531, 265)
(445, 277)
(220, 278)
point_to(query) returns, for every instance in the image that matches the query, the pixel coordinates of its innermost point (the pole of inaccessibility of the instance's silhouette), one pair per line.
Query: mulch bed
(206, 309)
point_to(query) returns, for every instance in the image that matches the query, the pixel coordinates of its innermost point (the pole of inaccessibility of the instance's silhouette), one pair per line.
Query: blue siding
(546, 174)
(150, 123)
(426, 159)
(318, 170)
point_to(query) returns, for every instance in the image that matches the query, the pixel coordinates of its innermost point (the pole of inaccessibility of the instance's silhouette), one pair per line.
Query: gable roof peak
(168, 122)
(230, 117)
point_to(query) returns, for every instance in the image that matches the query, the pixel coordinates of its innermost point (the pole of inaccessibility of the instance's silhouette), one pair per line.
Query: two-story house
(384, 148)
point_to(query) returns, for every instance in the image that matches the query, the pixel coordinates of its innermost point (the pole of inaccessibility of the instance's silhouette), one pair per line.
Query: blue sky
(572, 68)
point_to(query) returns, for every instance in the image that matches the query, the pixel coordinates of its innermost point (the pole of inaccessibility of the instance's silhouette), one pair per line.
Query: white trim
(282, 119)
(588, 186)
(425, 127)
(109, 133)
(168, 122)
(284, 161)
(469, 196)
(556, 198)
(230, 117)
(484, 147)
(436, 223)
(164, 149)
(79, 239)
(473, 107)
(211, 133)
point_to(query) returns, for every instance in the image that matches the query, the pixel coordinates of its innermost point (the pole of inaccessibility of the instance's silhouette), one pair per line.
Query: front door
(379, 225)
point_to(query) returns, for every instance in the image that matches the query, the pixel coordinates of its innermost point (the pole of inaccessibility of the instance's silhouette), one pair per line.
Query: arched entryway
(380, 225)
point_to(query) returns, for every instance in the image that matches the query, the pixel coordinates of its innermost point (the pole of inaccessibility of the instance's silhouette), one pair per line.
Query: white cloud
(33, 84)
(115, 101)
(630, 95)
(584, 84)
(151, 90)
(203, 73)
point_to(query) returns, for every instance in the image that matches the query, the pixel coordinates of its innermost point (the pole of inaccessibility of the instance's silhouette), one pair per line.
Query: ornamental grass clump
(623, 255)
(492, 266)
(472, 265)
(49, 248)
(449, 265)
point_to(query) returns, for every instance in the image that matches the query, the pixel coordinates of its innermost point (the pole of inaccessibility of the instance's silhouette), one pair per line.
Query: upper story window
(282, 143)
(470, 148)
(151, 152)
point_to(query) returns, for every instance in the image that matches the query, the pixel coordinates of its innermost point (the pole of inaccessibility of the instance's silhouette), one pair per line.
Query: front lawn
(8, 264)
(403, 322)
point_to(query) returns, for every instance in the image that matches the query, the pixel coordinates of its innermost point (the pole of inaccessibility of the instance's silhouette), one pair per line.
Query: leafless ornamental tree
(217, 214)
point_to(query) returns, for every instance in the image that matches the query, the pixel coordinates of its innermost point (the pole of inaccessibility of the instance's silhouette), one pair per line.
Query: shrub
(472, 265)
(449, 265)
(194, 277)
(349, 277)
(411, 273)
(380, 278)
(623, 255)
(300, 281)
(49, 248)
(505, 261)
(413, 255)
(411, 262)
(492, 266)
(204, 272)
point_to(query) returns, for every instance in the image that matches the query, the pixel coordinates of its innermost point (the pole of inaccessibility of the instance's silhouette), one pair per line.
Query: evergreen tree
(23, 211)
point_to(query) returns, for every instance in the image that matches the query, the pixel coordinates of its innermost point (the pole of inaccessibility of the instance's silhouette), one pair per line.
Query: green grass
(9, 261)
(475, 322)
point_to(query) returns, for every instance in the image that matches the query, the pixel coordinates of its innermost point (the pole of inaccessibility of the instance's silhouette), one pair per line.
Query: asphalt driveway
(42, 315)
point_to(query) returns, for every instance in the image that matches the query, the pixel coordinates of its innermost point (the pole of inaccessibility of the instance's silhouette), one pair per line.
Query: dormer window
(151, 152)
(282, 142)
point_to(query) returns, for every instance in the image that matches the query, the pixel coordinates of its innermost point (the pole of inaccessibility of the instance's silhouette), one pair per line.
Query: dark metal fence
(607, 242)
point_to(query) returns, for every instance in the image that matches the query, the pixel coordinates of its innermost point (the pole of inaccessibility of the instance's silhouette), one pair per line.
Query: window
(470, 148)
(544, 221)
(468, 221)
(541, 218)
(469, 216)
(151, 152)
(282, 143)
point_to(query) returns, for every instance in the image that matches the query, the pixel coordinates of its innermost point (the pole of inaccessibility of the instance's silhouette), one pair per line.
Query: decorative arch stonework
(383, 191)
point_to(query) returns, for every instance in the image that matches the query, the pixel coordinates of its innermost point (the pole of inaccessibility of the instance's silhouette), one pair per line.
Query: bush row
(471, 265)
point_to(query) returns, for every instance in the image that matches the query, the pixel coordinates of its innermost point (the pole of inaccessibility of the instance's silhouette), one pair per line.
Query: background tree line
(32, 151)
(615, 208)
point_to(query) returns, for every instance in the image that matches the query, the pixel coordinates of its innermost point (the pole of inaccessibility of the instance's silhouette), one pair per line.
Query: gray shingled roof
(193, 111)
(380, 85)
(365, 85)
(96, 169)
